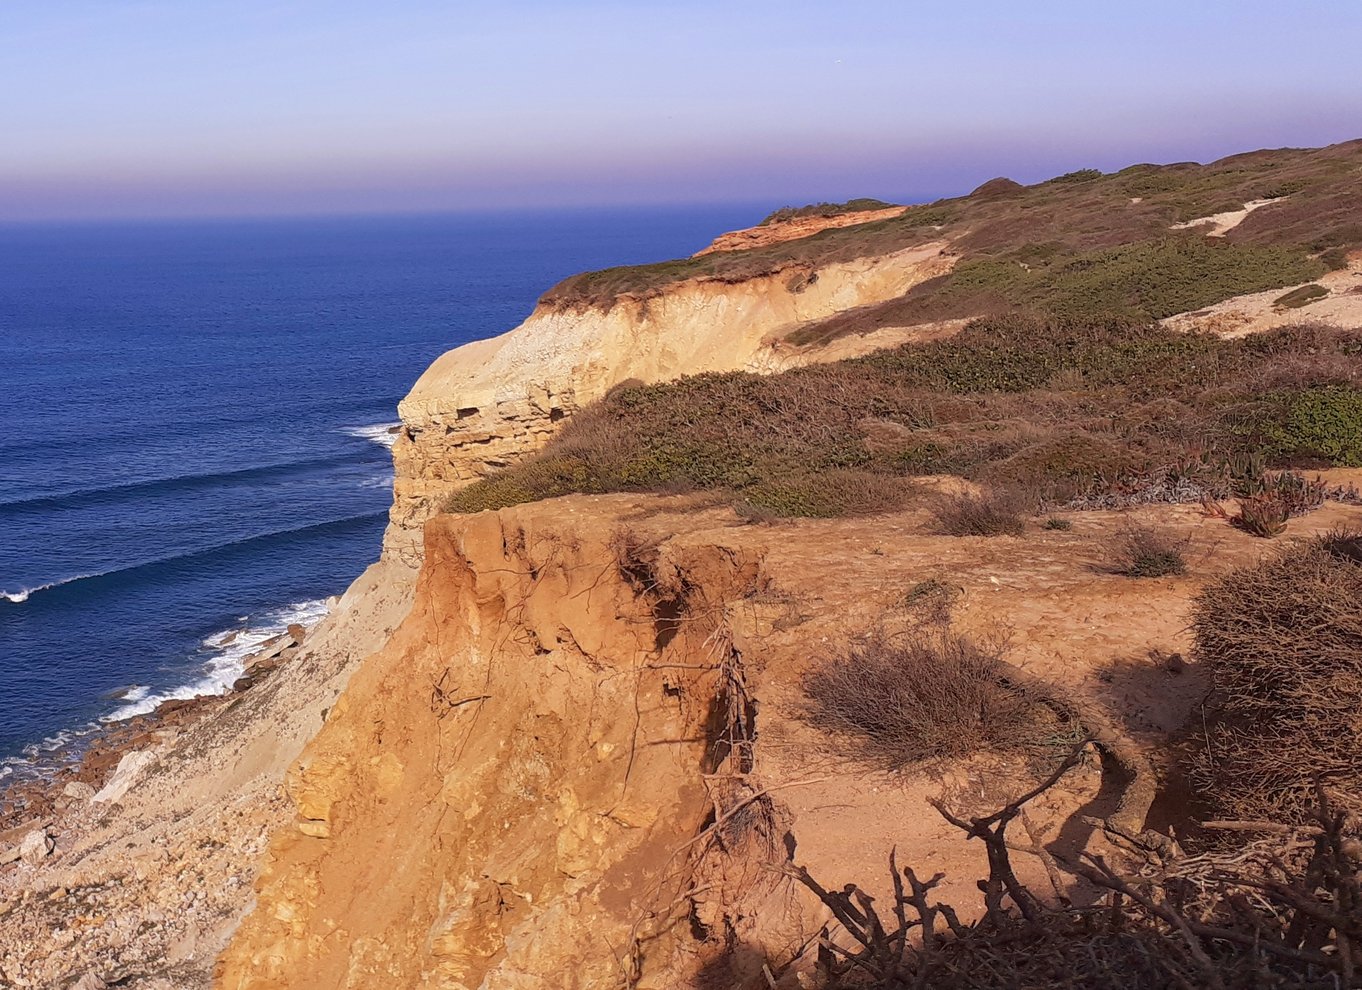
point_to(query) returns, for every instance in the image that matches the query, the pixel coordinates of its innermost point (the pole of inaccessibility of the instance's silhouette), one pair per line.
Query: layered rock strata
(486, 404)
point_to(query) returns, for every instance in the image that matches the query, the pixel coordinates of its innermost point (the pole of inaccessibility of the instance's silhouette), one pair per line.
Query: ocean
(194, 445)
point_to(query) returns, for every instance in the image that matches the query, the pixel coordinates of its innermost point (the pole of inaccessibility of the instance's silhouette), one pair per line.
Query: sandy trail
(1221, 224)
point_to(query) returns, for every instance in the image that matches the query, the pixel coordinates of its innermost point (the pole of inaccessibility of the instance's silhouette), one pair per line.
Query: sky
(157, 108)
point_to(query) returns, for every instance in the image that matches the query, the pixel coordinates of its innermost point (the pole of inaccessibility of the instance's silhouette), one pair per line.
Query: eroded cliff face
(486, 404)
(509, 787)
(580, 762)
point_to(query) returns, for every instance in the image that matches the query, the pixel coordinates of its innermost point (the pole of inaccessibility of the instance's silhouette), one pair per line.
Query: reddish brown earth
(515, 791)
(791, 230)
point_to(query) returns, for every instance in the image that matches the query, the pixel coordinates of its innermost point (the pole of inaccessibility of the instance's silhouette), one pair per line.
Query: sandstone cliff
(483, 405)
(796, 227)
(579, 762)
(570, 754)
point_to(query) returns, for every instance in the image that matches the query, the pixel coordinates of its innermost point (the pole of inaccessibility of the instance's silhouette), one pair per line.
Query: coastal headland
(575, 727)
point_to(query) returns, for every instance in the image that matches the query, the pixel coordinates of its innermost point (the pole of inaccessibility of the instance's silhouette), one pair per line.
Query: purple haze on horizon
(154, 108)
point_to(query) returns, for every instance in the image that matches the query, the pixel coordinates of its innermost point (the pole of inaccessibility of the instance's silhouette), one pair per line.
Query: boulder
(273, 648)
(129, 768)
(263, 667)
(36, 847)
(297, 632)
(79, 790)
(243, 684)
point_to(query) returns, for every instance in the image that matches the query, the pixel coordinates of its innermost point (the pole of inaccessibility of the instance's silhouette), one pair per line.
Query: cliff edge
(486, 404)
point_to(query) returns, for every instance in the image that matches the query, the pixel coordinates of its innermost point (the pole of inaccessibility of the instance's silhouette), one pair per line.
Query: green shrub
(1334, 259)
(862, 205)
(1080, 175)
(1319, 423)
(1297, 298)
(835, 493)
(1283, 189)
(1055, 409)
(1064, 467)
(536, 479)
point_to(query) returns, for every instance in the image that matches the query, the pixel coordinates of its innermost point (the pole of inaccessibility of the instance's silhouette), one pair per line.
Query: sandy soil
(1220, 224)
(1257, 312)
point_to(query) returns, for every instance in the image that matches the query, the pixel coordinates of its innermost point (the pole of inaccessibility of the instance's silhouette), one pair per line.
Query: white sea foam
(379, 433)
(384, 480)
(23, 595)
(225, 656)
(36, 759)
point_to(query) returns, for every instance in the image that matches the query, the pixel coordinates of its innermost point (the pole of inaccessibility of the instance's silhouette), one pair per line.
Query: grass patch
(1149, 551)
(932, 601)
(986, 514)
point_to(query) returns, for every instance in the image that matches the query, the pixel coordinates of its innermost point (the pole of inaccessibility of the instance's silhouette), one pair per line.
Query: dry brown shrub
(1281, 911)
(931, 601)
(927, 695)
(1283, 641)
(990, 513)
(1149, 551)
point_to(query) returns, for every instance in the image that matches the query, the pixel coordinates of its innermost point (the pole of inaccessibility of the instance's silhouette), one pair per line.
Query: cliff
(777, 231)
(568, 743)
(486, 404)
(580, 761)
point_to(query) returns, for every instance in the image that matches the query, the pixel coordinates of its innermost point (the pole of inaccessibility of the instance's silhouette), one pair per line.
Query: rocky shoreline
(135, 860)
(110, 757)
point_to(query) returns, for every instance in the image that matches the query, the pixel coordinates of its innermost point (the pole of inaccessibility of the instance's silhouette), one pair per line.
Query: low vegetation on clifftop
(1054, 411)
(1129, 234)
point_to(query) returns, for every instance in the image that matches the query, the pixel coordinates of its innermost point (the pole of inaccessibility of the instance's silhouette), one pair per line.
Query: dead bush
(931, 601)
(1149, 551)
(1283, 641)
(990, 513)
(1281, 911)
(925, 696)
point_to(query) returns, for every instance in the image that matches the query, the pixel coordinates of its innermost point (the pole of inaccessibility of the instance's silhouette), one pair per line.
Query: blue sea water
(193, 424)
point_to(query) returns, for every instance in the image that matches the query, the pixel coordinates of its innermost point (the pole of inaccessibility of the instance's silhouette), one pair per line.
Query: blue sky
(157, 108)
